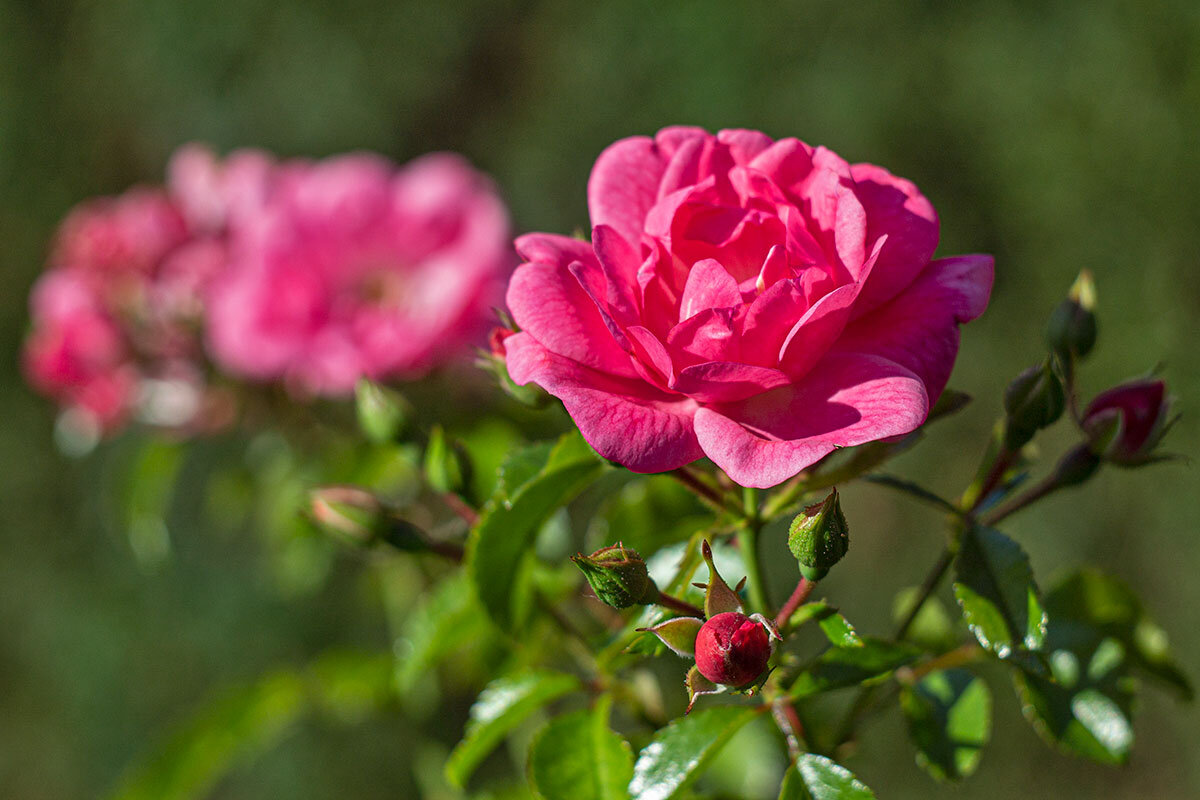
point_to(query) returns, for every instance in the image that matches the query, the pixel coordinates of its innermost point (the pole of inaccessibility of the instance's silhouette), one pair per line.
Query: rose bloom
(350, 267)
(117, 306)
(761, 303)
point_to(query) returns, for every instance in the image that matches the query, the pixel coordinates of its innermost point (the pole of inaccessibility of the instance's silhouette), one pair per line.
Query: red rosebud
(1126, 423)
(496, 340)
(732, 649)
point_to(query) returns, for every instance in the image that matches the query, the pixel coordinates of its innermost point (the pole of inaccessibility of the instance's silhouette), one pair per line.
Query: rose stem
(702, 490)
(675, 604)
(803, 589)
(748, 543)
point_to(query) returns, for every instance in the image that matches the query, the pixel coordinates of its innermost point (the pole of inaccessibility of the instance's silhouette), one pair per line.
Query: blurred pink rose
(120, 306)
(351, 267)
(761, 303)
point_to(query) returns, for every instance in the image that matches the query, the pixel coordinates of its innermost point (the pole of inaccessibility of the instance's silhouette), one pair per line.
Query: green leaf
(446, 621)
(997, 594)
(679, 752)
(837, 629)
(1085, 706)
(838, 667)
(504, 704)
(817, 778)
(241, 725)
(949, 715)
(577, 757)
(505, 533)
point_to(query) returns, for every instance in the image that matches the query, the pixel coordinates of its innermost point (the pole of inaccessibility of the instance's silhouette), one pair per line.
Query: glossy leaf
(502, 706)
(949, 715)
(577, 757)
(837, 629)
(679, 752)
(817, 778)
(839, 667)
(1085, 706)
(504, 535)
(994, 586)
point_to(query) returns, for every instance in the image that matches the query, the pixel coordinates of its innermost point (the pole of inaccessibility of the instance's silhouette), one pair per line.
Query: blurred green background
(1056, 136)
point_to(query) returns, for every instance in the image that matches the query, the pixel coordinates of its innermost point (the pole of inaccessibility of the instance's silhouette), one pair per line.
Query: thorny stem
(789, 724)
(682, 606)
(801, 594)
(747, 536)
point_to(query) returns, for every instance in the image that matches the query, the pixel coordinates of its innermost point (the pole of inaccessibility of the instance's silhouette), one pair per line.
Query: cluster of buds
(731, 649)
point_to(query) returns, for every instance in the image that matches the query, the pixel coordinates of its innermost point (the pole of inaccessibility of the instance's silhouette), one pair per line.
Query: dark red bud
(732, 649)
(1126, 422)
(496, 340)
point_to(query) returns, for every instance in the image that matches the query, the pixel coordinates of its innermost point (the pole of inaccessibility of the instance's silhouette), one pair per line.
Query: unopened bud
(618, 576)
(356, 516)
(1034, 400)
(733, 649)
(447, 465)
(1076, 466)
(819, 537)
(1125, 424)
(382, 413)
(1071, 331)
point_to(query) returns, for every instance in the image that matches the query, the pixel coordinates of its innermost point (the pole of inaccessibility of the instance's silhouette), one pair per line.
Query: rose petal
(547, 301)
(743, 144)
(708, 286)
(894, 208)
(553, 249)
(707, 336)
(625, 421)
(919, 328)
(725, 381)
(846, 400)
(624, 185)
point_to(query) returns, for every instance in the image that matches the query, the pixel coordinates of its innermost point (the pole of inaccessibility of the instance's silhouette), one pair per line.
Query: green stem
(748, 543)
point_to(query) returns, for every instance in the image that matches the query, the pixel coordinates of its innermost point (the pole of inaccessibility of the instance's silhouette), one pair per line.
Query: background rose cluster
(250, 269)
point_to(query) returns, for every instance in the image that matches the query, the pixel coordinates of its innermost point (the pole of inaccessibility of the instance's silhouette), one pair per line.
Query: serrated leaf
(503, 705)
(839, 667)
(996, 591)
(242, 724)
(577, 757)
(504, 535)
(949, 715)
(1085, 706)
(837, 629)
(817, 778)
(679, 752)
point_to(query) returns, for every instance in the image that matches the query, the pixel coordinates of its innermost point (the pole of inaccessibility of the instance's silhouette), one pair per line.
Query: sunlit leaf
(838, 667)
(679, 752)
(504, 704)
(994, 586)
(577, 757)
(817, 778)
(949, 715)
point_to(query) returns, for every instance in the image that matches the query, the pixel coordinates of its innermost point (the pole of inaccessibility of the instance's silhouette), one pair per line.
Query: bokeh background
(1054, 135)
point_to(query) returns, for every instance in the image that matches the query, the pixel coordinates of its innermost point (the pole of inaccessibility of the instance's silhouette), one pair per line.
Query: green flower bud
(1034, 400)
(1071, 331)
(819, 537)
(447, 465)
(618, 576)
(382, 413)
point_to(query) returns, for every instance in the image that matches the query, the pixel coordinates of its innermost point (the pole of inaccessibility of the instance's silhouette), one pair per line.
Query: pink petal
(894, 208)
(919, 328)
(625, 421)
(845, 401)
(708, 286)
(743, 144)
(707, 336)
(624, 185)
(550, 248)
(547, 301)
(725, 381)
(620, 263)
(769, 320)
(651, 352)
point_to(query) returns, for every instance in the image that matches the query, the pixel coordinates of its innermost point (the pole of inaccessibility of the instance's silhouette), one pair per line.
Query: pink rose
(760, 303)
(352, 267)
